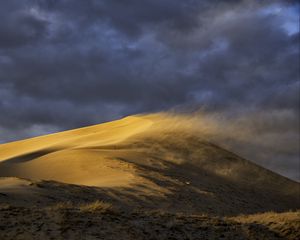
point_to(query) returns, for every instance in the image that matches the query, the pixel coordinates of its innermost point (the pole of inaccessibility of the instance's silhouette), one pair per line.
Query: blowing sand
(146, 162)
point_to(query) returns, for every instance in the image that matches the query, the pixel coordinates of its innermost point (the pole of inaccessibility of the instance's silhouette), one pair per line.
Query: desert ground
(155, 176)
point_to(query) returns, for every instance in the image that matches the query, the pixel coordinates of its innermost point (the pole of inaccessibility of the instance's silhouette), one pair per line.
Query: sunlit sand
(162, 162)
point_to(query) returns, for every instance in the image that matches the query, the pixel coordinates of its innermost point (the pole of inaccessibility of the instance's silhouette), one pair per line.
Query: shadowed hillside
(148, 162)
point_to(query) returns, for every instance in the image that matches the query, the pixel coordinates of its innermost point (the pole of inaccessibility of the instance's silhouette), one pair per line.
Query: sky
(72, 63)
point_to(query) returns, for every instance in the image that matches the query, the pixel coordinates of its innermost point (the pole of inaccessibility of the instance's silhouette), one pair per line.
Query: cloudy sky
(71, 63)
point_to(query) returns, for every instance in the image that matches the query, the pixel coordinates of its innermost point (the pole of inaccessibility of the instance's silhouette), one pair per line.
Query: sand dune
(67, 156)
(138, 152)
(156, 161)
(102, 134)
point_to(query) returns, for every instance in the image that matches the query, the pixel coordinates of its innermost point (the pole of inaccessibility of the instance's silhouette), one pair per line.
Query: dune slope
(151, 161)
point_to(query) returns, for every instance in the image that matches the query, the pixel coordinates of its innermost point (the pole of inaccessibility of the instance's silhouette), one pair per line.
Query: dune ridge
(158, 175)
(153, 159)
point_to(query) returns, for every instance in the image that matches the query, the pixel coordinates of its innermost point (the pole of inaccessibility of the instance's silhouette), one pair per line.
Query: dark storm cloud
(18, 27)
(66, 64)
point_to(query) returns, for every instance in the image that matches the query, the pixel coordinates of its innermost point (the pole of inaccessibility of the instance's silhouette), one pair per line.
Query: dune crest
(156, 160)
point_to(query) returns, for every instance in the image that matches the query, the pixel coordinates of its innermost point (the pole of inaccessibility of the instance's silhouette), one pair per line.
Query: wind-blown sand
(140, 163)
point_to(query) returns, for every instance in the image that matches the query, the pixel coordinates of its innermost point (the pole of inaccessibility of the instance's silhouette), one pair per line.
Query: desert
(150, 176)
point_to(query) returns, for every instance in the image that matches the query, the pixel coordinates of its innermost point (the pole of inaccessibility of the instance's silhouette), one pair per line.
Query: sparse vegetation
(286, 225)
(79, 223)
(97, 206)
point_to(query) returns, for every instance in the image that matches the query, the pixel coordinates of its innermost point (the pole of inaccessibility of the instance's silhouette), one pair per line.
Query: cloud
(66, 64)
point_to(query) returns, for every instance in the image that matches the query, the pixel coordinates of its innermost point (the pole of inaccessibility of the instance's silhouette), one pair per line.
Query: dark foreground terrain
(100, 220)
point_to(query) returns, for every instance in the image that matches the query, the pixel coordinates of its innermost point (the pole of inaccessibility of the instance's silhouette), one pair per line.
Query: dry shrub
(97, 206)
(286, 224)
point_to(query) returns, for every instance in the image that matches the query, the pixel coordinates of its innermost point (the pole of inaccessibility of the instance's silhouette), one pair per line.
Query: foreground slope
(152, 161)
(100, 221)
